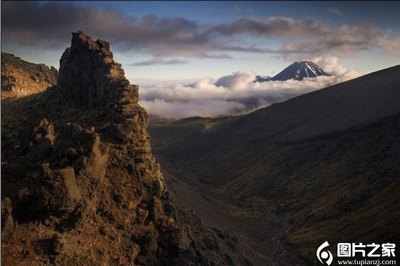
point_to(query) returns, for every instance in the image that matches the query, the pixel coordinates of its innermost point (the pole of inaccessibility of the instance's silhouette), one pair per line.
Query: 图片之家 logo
(358, 254)
(372, 250)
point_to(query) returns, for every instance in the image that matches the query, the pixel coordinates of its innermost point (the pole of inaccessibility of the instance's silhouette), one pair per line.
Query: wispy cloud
(215, 56)
(273, 26)
(182, 109)
(159, 61)
(237, 9)
(335, 11)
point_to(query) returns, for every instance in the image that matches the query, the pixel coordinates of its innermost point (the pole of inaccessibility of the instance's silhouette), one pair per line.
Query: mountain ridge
(355, 108)
(22, 78)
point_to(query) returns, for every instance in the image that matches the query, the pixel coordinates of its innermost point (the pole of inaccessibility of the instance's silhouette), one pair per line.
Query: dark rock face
(7, 220)
(89, 186)
(21, 78)
(89, 77)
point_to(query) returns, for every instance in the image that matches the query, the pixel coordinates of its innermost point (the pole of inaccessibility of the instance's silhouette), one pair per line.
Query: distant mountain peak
(300, 70)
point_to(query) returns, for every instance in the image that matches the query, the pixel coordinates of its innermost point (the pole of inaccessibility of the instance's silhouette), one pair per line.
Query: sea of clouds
(233, 94)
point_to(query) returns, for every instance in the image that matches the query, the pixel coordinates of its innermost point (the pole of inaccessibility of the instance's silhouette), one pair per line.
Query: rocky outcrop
(89, 186)
(89, 77)
(21, 78)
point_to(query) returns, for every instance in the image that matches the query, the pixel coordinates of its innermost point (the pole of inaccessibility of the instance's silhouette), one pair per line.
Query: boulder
(56, 194)
(57, 243)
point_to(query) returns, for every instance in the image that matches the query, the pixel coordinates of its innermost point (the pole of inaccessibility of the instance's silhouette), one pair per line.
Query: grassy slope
(331, 169)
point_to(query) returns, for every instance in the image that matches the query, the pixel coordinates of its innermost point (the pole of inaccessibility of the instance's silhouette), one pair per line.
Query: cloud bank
(47, 25)
(233, 94)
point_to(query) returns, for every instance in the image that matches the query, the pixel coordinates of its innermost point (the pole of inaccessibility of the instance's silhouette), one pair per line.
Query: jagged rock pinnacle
(89, 77)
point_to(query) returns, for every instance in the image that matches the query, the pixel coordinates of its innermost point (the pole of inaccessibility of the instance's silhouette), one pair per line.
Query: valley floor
(261, 233)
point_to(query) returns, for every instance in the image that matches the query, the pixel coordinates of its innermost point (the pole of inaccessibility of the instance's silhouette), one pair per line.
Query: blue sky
(382, 13)
(191, 40)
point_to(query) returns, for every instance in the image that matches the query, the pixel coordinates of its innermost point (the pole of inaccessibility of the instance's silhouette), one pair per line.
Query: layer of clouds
(159, 61)
(215, 56)
(182, 109)
(233, 94)
(47, 25)
(332, 66)
(272, 26)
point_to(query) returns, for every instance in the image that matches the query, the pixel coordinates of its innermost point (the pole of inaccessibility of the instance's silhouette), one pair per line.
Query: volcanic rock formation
(299, 71)
(80, 183)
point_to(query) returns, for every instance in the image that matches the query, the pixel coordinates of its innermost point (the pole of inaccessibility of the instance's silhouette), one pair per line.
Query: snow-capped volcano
(299, 71)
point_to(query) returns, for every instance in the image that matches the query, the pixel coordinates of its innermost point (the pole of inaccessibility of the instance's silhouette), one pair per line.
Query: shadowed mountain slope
(327, 161)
